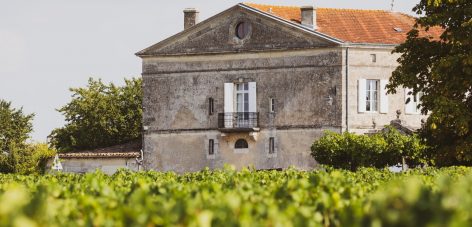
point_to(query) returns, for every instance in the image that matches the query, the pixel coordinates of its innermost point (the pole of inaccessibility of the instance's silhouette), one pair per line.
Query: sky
(48, 46)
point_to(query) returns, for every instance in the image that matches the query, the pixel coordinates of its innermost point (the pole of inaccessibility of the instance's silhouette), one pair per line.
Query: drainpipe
(347, 89)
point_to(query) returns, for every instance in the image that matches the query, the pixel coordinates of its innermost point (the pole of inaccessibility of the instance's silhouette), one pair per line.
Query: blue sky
(48, 46)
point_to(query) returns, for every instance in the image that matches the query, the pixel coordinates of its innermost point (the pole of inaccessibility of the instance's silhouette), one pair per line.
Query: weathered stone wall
(361, 66)
(187, 151)
(85, 165)
(306, 86)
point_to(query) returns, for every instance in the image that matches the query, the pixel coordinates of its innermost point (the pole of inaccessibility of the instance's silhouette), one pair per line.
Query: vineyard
(368, 197)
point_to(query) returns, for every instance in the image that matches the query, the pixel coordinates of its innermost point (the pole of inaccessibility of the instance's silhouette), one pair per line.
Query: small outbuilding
(108, 159)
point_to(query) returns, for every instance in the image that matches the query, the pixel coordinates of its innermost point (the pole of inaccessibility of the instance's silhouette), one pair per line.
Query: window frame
(245, 145)
(370, 93)
(211, 106)
(272, 105)
(271, 145)
(211, 147)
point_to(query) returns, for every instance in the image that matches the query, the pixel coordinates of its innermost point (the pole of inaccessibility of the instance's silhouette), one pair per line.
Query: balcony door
(242, 105)
(240, 109)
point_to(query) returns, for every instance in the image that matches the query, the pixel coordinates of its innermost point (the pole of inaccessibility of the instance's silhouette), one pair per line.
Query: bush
(351, 151)
(26, 159)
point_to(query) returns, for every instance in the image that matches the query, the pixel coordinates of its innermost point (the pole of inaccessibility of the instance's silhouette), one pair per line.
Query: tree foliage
(26, 158)
(15, 126)
(100, 115)
(351, 151)
(441, 68)
(16, 154)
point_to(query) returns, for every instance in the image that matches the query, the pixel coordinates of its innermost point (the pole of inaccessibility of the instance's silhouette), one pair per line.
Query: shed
(108, 159)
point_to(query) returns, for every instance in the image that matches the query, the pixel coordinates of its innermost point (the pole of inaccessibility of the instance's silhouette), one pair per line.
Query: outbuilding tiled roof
(352, 25)
(127, 150)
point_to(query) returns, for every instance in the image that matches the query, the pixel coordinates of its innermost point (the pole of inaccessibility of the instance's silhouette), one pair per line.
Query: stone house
(256, 85)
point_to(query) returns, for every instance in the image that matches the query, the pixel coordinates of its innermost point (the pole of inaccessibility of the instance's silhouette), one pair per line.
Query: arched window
(241, 144)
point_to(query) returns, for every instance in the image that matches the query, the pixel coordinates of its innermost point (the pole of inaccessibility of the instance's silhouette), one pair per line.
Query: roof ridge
(322, 8)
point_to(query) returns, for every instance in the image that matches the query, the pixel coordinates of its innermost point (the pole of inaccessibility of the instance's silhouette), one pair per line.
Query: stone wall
(305, 84)
(361, 66)
(85, 165)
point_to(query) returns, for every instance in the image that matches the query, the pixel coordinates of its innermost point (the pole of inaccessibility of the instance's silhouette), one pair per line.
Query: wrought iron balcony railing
(238, 120)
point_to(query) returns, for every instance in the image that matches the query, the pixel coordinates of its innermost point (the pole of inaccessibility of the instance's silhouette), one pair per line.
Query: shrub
(350, 151)
(25, 159)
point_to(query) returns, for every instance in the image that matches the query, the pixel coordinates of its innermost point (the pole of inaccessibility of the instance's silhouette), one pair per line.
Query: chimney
(309, 17)
(190, 17)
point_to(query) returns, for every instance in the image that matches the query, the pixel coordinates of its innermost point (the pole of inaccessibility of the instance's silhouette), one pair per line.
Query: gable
(218, 35)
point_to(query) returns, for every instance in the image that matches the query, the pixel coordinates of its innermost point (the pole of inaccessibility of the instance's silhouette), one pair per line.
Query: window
(241, 144)
(242, 97)
(240, 109)
(373, 57)
(372, 94)
(272, 105)
(242, 29)
(412, 106)
(211, 147)
(271, 145)
(211, 104)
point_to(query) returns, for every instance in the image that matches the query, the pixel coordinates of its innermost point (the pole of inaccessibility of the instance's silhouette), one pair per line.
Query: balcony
(238, 122)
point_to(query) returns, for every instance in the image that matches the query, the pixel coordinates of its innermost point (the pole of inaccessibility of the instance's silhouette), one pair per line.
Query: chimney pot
(190, 17)
(308, 14)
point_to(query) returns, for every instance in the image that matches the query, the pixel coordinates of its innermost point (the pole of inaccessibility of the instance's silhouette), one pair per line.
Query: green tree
(100, 115)
(441, 69)
(16, 155)
(26, 158)
(15, 126)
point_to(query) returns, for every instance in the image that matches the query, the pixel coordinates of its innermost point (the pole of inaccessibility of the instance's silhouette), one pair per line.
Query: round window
(242, 29)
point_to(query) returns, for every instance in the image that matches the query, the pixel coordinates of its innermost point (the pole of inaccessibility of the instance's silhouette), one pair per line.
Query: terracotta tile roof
(100, 155)
(127, 150)
(352, 25)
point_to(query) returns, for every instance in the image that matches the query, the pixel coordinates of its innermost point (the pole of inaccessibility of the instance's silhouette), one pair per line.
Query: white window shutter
(252, 97)
(383, 96)
(361, 95)
(410, 107)
(229, 97)
(229, 105)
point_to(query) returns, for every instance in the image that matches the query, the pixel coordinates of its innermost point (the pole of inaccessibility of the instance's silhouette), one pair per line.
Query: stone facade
(303, 84)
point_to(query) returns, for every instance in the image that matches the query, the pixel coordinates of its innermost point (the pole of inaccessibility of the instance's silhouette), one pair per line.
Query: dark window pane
(241, 144)
(211, 147)
(242, 29)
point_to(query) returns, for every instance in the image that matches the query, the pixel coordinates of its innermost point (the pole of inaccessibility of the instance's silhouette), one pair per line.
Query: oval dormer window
(242, 30)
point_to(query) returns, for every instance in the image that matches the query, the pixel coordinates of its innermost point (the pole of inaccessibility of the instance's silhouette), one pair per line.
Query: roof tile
(353, 25)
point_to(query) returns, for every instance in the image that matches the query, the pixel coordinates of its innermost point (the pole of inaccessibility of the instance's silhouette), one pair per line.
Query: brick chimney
(309, 17)
(190, 17)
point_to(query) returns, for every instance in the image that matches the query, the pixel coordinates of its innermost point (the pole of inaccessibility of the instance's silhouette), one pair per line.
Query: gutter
(347, 89)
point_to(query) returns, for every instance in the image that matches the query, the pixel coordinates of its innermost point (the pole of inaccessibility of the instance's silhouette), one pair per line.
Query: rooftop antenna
(392, 5)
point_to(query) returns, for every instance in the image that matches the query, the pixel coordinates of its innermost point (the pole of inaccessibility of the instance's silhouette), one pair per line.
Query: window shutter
(229, 97)
(361, 105)
(383, 96)
(410, 107)
(252, 97)
(228, 105)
